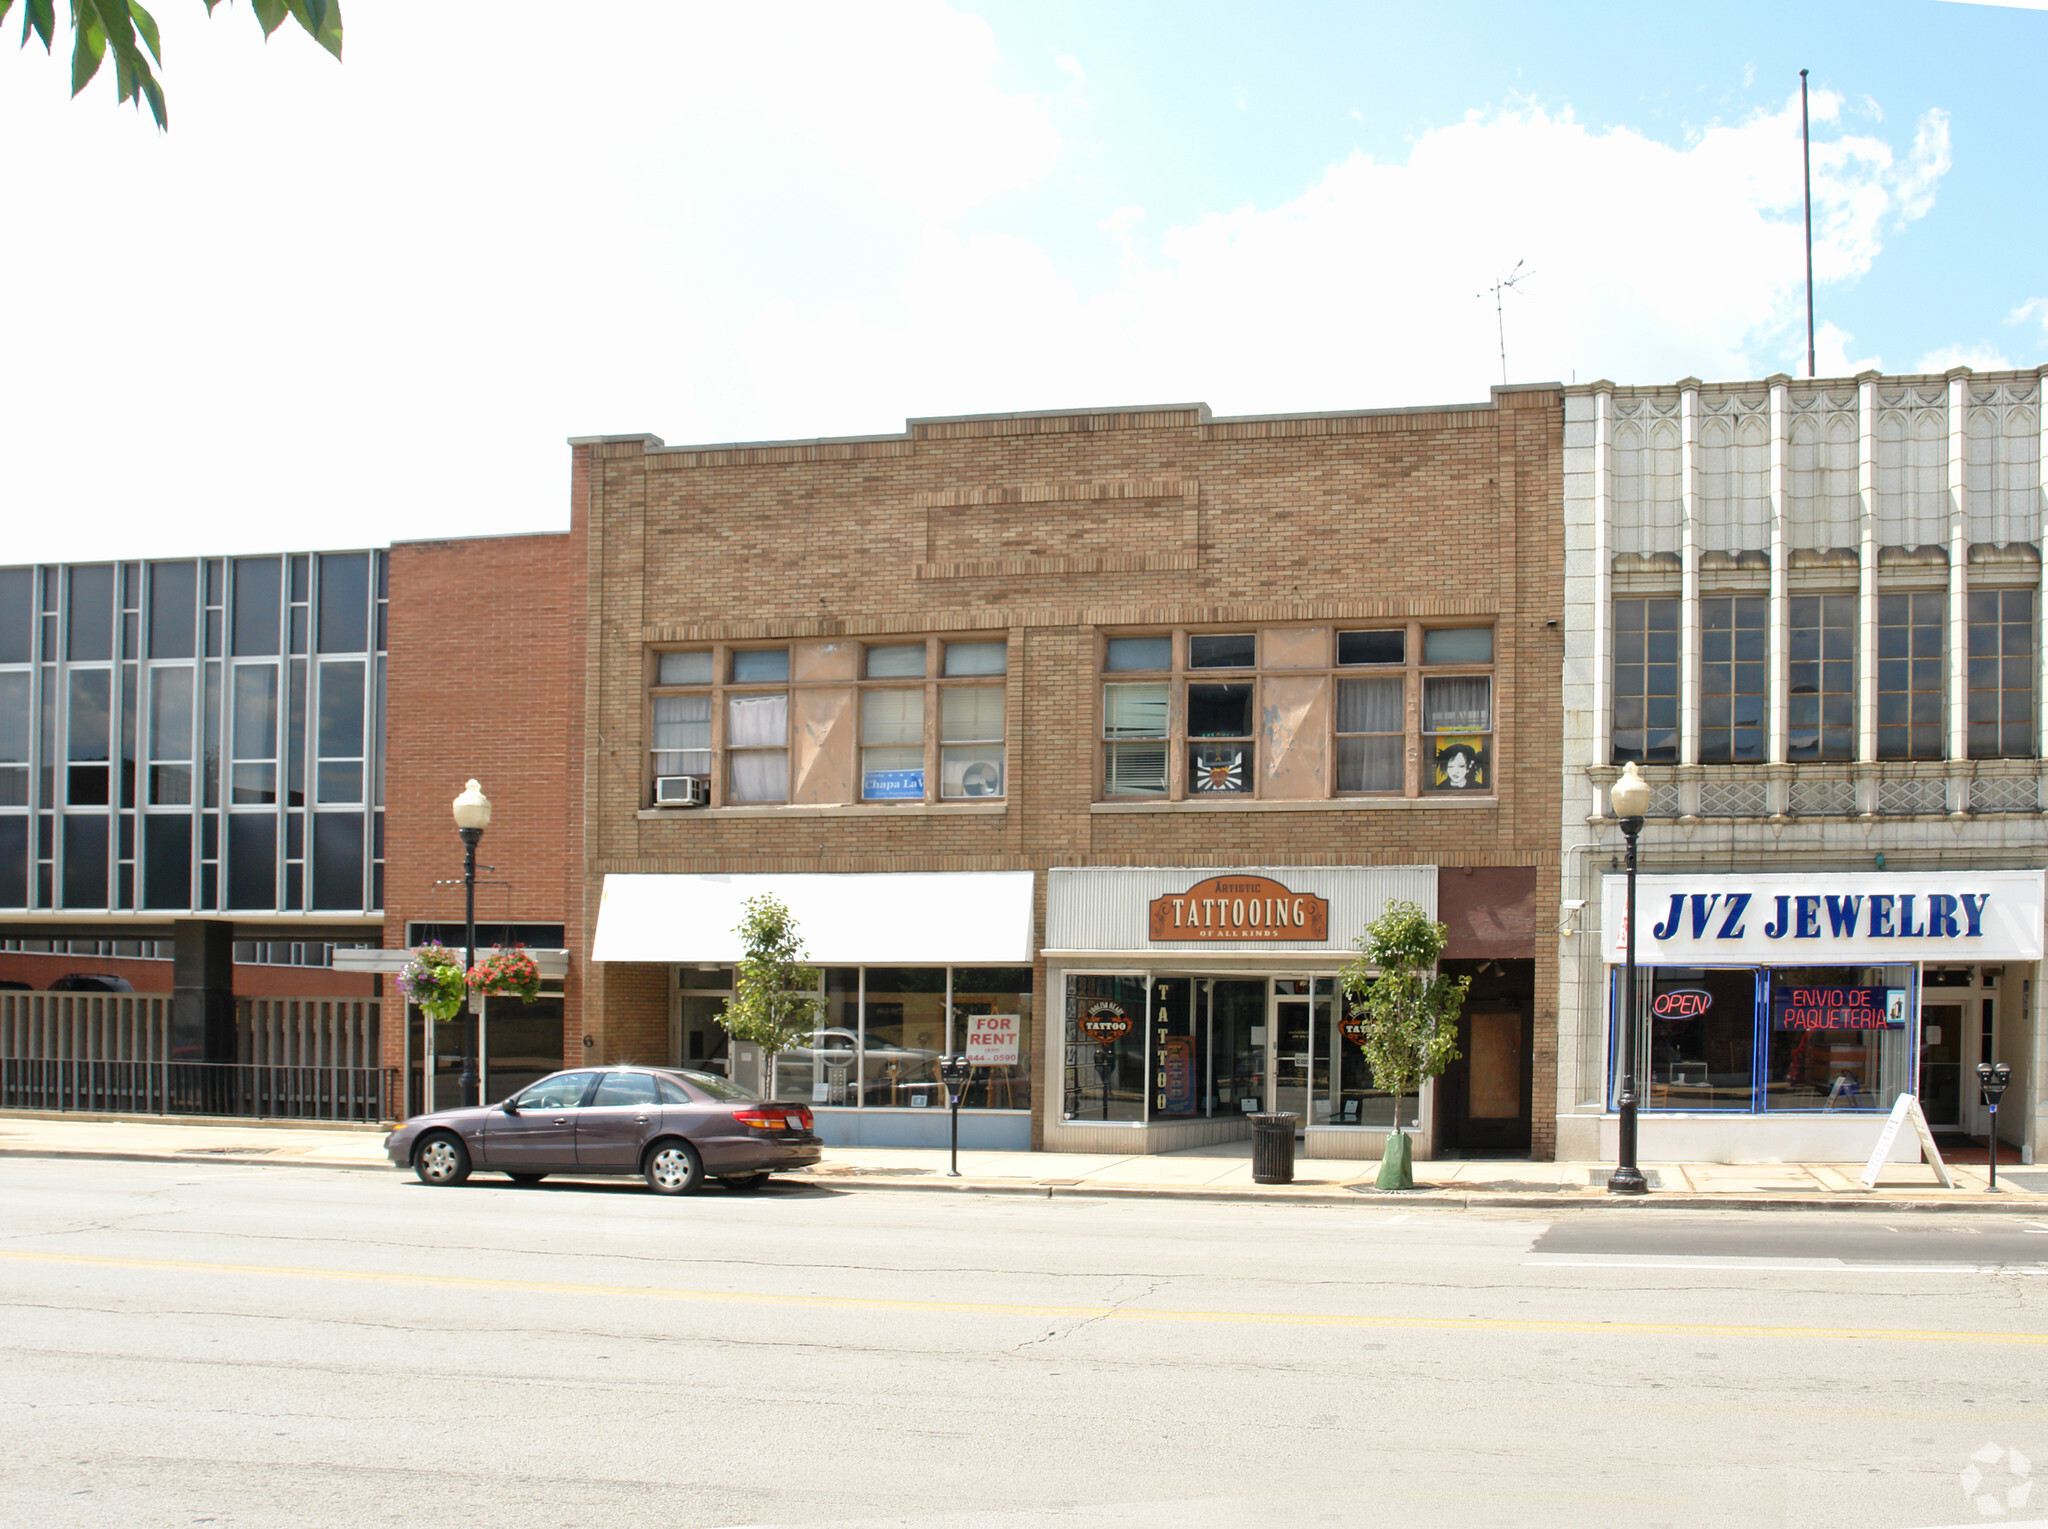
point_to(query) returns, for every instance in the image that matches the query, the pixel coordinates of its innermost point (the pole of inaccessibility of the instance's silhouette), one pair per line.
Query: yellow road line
(998, 1309)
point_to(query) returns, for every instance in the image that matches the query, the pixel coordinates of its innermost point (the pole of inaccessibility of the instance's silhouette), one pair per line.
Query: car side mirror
(509, 1107)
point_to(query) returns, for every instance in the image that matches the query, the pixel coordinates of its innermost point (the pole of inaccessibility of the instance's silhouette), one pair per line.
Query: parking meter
(954, 1073)
(1993, 1079)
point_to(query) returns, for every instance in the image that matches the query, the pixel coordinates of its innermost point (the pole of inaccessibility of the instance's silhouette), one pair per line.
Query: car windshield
(717, 1087)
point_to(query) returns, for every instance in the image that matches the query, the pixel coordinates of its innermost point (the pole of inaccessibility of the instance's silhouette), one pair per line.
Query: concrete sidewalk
(1206, 1173)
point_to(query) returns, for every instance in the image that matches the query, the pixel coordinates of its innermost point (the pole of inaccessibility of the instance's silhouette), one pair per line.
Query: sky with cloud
(345, 303)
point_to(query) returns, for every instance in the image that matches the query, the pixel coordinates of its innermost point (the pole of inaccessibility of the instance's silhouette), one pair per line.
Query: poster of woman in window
(1461, 764)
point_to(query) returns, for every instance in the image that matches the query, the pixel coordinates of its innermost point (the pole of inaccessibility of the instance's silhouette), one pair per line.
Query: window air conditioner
(678, 791)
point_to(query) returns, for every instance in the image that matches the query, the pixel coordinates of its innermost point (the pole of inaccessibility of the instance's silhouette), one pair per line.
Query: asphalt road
(280, 1346)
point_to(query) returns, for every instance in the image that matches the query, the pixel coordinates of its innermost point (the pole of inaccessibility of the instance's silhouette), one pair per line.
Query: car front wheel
(441, 1160)
(673, 1167)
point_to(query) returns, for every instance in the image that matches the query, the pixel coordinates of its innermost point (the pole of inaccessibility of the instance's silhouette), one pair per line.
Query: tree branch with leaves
(126, 30)
(774, 1002)
(1410, 1012)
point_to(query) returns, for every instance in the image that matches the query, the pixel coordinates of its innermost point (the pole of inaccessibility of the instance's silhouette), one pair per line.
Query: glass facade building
(194, 736)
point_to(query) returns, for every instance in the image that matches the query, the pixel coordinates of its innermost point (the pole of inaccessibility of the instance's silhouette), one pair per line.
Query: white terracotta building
(1814, 611)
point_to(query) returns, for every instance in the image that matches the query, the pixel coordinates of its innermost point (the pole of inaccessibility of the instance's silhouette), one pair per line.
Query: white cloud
(722, 222)
(2034, 308)
(1980, 358)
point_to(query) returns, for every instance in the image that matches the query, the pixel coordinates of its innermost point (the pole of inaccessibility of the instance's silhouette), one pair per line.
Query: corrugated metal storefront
(1293, 940)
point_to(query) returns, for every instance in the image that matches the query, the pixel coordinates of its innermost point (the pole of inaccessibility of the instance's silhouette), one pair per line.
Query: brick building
(987, 701)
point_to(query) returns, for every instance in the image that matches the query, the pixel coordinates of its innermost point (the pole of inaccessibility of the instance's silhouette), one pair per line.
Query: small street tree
(773, 1003)
(1410, 1016)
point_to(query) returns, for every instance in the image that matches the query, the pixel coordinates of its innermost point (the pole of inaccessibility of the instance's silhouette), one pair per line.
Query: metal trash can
(1273, 1148)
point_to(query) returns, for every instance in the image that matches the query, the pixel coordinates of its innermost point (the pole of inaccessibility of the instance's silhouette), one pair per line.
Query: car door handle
(561, 1120)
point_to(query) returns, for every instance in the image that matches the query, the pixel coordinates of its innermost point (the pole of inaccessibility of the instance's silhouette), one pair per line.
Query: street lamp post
(472, 817)
(1629, 799)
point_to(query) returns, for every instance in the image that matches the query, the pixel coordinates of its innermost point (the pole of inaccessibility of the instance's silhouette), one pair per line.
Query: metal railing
(297, 1058)
(196, 1088)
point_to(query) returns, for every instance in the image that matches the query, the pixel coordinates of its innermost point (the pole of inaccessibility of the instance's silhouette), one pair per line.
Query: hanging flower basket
(507, 973)
(432, 980)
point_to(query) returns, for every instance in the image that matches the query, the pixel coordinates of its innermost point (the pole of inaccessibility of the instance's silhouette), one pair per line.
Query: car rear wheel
(673, 1167)
(742, 1182)
(441, 1160)
(526, 1180)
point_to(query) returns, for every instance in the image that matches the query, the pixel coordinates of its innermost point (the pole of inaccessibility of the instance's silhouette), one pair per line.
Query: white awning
(958, 918)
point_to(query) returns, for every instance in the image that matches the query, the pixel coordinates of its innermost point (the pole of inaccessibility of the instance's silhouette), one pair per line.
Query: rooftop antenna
(1500, 289)
(1806, 155)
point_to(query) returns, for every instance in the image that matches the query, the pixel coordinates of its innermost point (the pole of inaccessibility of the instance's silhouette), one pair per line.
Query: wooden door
(1489, 1086)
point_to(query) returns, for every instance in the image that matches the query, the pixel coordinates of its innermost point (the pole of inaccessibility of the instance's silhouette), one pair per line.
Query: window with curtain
(1134, 720)
(896, 688)
(892, 743)
(1457, 726)
(682, 736)
(757, 748)
(1323, 712)
(1371, 723)
(971, 757)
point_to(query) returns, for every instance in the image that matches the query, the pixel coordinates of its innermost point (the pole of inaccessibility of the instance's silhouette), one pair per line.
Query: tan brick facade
(1046, 529)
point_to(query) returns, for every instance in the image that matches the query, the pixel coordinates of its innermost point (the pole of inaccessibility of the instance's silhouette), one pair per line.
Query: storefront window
(1105, 1041)
(1181, 1059)
(1744, 1039)
(994, 990)
(1839, 1037)
(905, 1037)
(821, 1068)
(1700, 1027)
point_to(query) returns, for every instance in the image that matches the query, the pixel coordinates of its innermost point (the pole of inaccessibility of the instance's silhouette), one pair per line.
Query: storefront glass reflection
(889, 1060)
(1753, 1040)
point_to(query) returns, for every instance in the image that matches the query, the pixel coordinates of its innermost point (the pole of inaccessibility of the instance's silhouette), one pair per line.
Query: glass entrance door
(1292, 1039)
(1941, 1061)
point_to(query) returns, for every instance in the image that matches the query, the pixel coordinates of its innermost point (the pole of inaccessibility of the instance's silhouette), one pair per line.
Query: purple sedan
(670, 1126)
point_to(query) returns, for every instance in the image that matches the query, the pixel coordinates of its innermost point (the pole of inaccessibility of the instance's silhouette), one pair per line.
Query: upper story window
(1646, 680)
(1912, 641)
(1821, 705)
(1395, 710)
(865, 711)
(2003, 672)
(1735, 686)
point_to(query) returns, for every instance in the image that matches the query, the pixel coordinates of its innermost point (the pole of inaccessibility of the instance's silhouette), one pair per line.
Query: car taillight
(793, 1118)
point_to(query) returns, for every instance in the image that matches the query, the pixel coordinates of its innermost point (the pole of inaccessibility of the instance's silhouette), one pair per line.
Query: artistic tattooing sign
(1352, 1028)
(1240, 908)
(1827, 919)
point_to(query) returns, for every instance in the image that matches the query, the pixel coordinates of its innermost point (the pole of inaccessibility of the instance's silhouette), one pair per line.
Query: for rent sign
(1828, 919)
(993, 1039)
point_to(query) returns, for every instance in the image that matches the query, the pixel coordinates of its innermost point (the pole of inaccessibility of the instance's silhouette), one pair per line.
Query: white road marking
(1806, 1265)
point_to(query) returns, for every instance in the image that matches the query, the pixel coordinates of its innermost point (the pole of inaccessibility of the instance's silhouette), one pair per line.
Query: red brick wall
(480, 681)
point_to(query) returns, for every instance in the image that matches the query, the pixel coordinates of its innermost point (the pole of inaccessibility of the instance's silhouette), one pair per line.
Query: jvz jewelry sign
(1827, 918)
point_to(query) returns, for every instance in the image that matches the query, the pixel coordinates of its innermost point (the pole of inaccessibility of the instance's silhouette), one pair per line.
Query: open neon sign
(1682, 1003)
